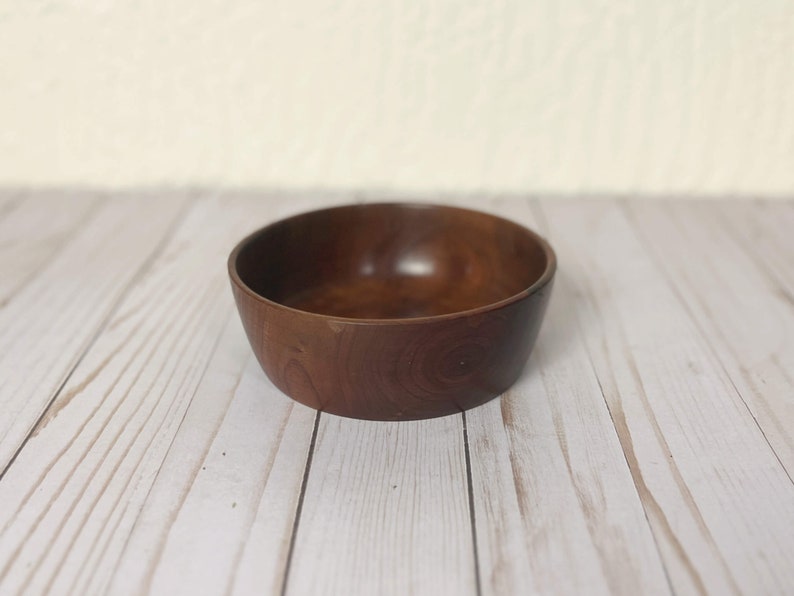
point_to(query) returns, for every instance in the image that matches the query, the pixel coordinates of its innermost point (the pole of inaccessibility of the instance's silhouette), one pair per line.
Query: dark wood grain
(392, 311)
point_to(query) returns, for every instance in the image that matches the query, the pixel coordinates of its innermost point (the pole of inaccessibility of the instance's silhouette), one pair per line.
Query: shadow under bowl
(392, 311)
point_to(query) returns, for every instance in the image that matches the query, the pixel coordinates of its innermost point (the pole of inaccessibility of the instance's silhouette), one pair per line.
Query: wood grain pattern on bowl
(392, 311)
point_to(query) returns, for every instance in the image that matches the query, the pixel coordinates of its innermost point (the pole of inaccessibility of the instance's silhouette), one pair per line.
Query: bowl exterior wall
(404, 370)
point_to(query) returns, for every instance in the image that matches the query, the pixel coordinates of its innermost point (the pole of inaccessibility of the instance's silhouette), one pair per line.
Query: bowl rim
(537, 285)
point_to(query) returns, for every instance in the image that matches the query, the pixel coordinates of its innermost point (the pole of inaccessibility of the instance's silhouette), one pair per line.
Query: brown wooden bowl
(392, 311)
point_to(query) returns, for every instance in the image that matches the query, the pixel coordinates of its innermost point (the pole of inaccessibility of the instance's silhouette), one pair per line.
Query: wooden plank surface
(48, 321)
(219, 516)
(34, 229)
(742, 309)
(707, 476)
(764, 231)
(390, 501)
(222, 507)
(646, 449)
(73, 495)
(554, 500)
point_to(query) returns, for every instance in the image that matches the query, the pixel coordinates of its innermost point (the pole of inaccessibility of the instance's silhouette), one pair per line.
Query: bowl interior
(390, 261)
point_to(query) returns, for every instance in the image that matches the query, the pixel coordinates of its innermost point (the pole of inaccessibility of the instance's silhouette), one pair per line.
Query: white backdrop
(688, 96)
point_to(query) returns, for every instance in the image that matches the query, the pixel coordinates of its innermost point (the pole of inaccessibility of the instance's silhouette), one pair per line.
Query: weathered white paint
(644, 450)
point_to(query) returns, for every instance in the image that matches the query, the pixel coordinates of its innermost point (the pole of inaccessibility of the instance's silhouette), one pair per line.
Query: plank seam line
(472, 518)
(126, 451)
(299, 508)
(711, 349)
(633, 481)
(145, 266)
(145, 500)
(537, 211)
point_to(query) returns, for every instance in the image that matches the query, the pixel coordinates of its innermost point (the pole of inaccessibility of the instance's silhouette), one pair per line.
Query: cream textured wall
(511, 95)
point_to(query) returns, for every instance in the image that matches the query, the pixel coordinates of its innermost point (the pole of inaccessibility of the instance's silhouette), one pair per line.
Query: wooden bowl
(392, 311)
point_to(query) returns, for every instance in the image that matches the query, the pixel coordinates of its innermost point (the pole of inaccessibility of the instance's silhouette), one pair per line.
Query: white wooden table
(647, 449)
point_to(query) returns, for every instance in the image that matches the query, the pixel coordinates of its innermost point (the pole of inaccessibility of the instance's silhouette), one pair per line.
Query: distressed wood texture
(716, 496)
(555, 504)
(743, 309)
(646, 449)
(67, 262)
